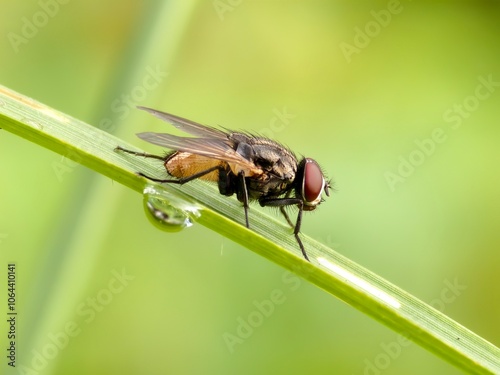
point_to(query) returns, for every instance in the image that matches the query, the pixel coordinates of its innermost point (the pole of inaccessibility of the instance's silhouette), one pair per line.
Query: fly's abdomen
(184, 164)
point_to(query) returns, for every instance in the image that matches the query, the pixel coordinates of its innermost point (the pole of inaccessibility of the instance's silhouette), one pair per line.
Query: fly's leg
(143, 154)
(282, 203)
(179, 181)
(283, 211)
(243, 185)
(182, 180)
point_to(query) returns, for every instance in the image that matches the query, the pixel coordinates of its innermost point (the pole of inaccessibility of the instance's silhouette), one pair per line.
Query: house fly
(252, 167)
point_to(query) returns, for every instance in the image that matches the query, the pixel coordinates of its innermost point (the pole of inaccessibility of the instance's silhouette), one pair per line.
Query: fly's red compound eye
(313, 183)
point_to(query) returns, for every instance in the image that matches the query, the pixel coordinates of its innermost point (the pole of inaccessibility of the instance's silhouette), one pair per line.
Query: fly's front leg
(283, 211)
(282, 203)
(287, 218)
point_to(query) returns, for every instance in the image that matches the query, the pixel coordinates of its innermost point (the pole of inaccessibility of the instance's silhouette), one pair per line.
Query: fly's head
(310, 184)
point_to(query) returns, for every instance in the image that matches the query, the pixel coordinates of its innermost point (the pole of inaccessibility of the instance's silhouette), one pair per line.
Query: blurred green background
(366, 83)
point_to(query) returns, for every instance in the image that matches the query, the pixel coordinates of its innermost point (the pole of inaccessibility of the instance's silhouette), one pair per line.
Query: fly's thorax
(275, 159)
(237, 137)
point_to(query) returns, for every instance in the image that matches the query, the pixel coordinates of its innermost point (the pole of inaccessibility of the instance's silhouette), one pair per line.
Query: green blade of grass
(329, 270)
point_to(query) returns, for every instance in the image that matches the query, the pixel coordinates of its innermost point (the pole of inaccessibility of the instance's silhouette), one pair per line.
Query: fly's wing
(213, 148)
(186, 125)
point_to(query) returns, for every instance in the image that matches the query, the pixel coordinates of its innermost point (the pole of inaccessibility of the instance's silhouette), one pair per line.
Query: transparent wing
(186, 125)
(210, 147)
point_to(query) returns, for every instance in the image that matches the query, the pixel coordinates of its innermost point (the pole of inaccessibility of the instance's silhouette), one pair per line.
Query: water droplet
(165, 216)
(167, 211)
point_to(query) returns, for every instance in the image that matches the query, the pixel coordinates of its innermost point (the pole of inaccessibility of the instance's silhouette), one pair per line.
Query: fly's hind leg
(179, 181)
(143, 154)
(182, 180)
